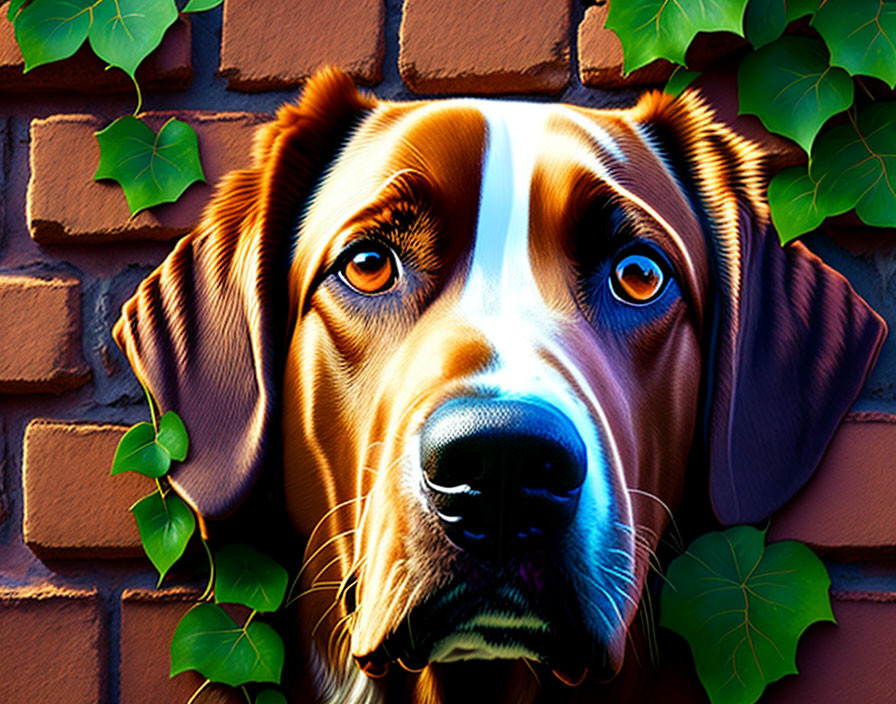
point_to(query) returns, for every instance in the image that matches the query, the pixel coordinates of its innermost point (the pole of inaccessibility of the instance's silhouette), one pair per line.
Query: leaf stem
(159, 487)
(211, 572)
(246, 693)
(198, 691)
(139, 96)
(152, 410)
(249, 620)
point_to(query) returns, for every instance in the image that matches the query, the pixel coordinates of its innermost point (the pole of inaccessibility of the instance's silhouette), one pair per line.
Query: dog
(486, 341)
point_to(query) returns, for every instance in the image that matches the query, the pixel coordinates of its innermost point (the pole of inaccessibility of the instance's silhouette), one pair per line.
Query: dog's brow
(408, 187)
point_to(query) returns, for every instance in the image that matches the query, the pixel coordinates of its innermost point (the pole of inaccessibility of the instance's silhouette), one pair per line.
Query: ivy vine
(151, 168)
(829, 89)
(207, 639)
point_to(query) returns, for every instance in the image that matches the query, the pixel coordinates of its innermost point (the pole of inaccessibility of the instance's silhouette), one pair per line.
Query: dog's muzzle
(502, 474)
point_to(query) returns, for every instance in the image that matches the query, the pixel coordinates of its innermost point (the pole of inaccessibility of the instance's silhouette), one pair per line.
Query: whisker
(672, 522)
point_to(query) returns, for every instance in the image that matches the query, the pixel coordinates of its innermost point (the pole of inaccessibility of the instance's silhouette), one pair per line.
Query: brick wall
(79, 619)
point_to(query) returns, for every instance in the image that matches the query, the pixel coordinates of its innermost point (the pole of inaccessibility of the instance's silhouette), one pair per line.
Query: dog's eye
(637, 278)
(369, 268)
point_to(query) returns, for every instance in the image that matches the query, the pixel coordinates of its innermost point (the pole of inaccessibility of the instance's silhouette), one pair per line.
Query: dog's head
(494, 335)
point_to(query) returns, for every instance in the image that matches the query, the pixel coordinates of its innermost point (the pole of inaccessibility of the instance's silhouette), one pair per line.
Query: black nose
(504, 475)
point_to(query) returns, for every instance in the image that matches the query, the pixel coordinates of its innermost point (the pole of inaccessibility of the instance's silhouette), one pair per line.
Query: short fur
(747, 370)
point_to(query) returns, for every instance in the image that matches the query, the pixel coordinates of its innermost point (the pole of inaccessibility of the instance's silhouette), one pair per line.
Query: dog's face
(505, 331)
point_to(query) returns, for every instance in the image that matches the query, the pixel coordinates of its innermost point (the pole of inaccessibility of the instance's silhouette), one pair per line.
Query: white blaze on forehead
(500, 274)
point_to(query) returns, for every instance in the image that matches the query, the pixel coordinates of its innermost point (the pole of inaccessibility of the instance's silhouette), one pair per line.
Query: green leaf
(173, 436)
(50, 30)
(14, 8)
(139, 452)
(165, 526)
(650, 29)
(791, 88)
(270, 696)
(245, 576)
(742, 607)
(200, 5)
(766, 20)
(209, 641)
(793, 201)
(853, 165)
(861, 36)
(151, 168)
(125, 32)
(680, 79)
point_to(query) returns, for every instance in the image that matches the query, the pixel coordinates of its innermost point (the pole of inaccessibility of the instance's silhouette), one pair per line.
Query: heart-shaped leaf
(793, 201)
(151, 168)
(50, 30)
(173, 436)
(200, 5)
(853, 165)
(792, 89)
(861, 35)
(165, 526)
(139, 452)
(245, 576)
(651, 29)
(124, 32)
(742, 607)
(209, 641)
(270, 696)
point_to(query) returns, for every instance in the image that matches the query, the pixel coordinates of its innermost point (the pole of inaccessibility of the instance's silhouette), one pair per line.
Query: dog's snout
(504, 475)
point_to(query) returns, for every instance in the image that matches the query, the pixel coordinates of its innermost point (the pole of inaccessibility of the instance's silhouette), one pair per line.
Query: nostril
(501, 472)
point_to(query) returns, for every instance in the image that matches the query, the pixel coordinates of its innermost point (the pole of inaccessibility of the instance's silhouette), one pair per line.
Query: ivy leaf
(209, 641)
(680, 79)
(270, 696)
(652, 29)
(766, 20)
(742, 607)
(139, 452)
(165, 526)
(173, 436)
(245, 576)
(124, 32)
(854, 164)
(200, 5)
(791, 88)
(51, 30)
(861, 36)
(793, 201)
(151, 168)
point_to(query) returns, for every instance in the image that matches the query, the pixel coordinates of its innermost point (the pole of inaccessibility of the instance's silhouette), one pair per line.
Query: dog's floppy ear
(791, 343)
(202, 332)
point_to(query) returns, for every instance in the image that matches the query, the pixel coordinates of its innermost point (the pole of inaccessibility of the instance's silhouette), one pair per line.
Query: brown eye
(637, 279)
(370, 268)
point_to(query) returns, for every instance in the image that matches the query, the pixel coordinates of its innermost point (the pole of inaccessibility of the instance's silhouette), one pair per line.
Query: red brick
(848, 504)
(600, 56)
(73, 508)
(167, 68)
(483, 46)
(852, 661)
(279, 43)
(54, 646)
(65, 204)
(148, 620)
(40, 348)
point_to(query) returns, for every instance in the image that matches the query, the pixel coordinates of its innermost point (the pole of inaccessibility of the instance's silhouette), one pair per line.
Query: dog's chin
(521, 611)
